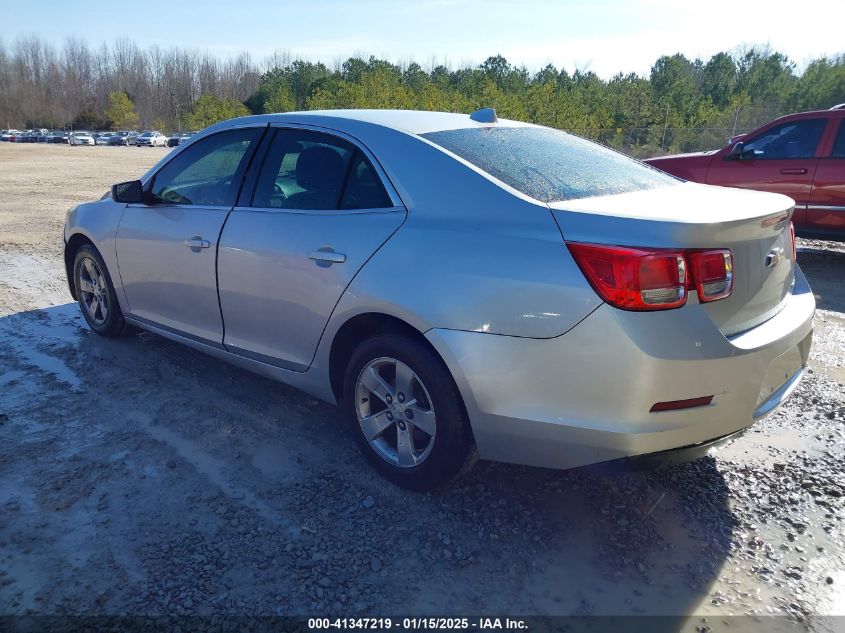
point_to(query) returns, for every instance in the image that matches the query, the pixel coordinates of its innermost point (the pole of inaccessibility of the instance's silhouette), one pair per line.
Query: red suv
(800, 155)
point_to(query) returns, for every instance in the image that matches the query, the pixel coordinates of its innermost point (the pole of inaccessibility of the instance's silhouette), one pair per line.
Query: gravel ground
(140, 477)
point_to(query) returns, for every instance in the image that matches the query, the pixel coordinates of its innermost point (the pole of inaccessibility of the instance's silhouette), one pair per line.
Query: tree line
(42, 85)
(682, 104)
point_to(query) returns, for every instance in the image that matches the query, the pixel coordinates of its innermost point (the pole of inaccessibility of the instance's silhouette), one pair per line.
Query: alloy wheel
(395, 412)
(92, 287)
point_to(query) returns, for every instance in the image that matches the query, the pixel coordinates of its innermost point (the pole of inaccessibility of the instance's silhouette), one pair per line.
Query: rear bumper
(585, 397)
(660, 459)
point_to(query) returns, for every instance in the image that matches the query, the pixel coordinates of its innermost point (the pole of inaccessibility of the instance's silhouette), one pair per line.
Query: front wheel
(95, 294)
(406, 412)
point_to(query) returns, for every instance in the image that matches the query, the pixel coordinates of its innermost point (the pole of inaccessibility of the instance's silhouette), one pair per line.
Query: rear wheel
(95, 294)
(406, 412)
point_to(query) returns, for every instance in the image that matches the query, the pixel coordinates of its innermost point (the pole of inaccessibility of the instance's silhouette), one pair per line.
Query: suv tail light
(712, 273)
(634, 278)
(654, 279)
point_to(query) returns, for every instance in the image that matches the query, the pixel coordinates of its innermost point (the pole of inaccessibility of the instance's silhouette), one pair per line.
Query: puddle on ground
(35, 334)
(205, 464)
(838, 374)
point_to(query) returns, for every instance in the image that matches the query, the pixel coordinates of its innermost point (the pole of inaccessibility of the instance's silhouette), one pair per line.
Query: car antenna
(484, 115)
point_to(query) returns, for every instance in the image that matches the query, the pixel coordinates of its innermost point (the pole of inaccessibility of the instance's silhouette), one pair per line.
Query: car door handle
(794, 170)
(327, 257)
(197, 242)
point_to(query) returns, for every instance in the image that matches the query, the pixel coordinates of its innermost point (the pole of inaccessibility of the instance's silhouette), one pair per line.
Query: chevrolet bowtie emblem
(774, 257)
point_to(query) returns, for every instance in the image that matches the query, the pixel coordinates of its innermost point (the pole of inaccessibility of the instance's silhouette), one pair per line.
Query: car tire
(431, 453)
(98, 303)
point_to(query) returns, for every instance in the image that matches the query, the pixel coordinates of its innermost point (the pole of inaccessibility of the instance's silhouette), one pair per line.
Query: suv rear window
(549, 165)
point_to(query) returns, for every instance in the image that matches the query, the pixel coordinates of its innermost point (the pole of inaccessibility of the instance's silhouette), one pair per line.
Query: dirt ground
(140, 477)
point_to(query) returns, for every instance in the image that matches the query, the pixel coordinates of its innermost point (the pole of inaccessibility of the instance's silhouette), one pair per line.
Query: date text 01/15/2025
(412, 624)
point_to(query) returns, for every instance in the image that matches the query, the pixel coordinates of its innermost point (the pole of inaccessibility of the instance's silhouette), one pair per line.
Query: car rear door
(313, 213)
(781, 158)
(166, 250)
(826, 211)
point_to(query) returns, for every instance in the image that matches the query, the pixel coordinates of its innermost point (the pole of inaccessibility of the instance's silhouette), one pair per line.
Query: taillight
(654, 279)
(634, 278)
(792, 236)
(712, 273)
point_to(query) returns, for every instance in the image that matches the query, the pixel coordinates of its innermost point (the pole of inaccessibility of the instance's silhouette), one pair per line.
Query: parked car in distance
(124, 137)
(800, 155)
(174, 140)
(564, 307)
(80, 138)
(103, 138)
(151, 138)
(58, 137)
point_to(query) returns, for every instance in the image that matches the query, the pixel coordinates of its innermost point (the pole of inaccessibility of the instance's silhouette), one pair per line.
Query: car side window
(303, 170)
(794, 139)
(208, 173)
(839, 143)
(363, 187)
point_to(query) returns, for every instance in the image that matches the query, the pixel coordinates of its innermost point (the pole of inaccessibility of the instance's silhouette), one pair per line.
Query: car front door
(780, 159)
(826, 211)
(166, 249)
(315, 212)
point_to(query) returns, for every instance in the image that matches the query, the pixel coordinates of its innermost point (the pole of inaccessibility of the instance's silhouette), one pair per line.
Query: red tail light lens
(712, 273)
(654, 279)
(634, 278)
(792, 235)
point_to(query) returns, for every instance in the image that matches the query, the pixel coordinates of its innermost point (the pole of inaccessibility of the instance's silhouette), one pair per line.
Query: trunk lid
(753, 225)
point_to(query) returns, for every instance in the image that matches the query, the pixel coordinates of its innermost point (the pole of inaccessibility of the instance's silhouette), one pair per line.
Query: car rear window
(549, 165)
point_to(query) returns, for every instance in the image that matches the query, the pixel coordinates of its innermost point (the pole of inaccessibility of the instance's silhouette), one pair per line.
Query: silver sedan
(459, 285)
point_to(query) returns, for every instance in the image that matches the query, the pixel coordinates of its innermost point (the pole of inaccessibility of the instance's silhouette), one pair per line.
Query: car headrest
(319, 168)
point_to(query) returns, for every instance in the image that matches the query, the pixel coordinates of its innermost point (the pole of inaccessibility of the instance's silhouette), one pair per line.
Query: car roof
(811, 114)
(412, 121)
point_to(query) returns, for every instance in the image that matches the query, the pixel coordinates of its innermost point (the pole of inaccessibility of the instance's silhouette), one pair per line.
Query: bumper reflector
(674, 405)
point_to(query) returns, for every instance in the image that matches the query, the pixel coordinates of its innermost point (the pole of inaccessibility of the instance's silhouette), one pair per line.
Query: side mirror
(128, 192)
(736, 150)
(736, 138)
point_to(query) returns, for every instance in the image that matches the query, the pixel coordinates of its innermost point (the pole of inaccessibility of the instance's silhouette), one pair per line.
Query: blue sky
(606, 36)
